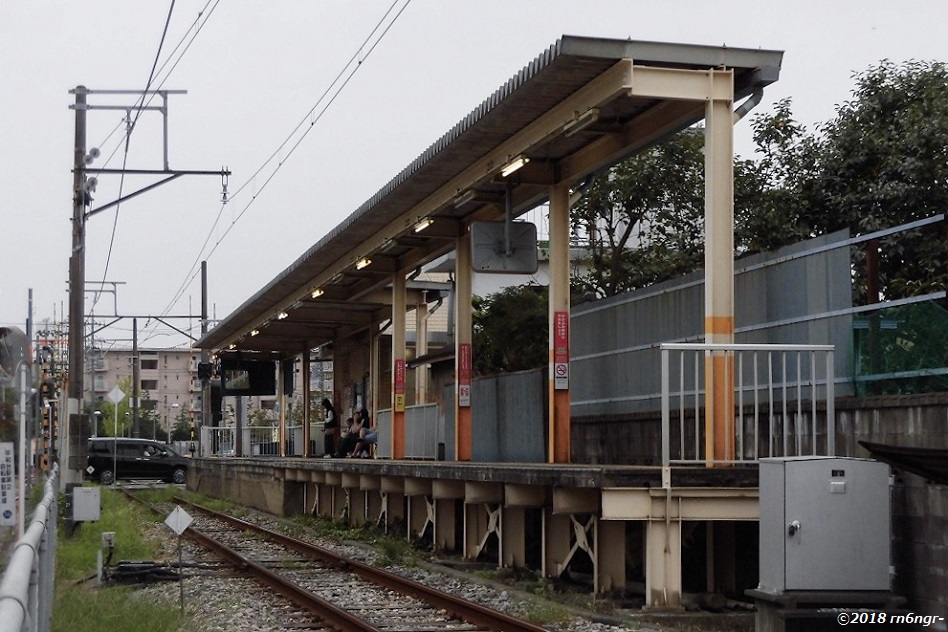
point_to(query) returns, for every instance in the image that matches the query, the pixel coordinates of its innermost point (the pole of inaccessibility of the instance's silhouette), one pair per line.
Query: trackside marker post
(178, 521)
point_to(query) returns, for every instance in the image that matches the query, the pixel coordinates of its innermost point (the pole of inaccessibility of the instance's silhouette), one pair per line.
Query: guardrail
(773, 409)
(258, 440)
(26, 590)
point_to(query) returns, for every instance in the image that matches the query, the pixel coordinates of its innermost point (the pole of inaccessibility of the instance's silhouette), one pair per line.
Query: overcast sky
(257, 69)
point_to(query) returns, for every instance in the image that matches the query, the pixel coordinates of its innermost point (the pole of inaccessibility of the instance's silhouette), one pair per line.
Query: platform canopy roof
(578, 108)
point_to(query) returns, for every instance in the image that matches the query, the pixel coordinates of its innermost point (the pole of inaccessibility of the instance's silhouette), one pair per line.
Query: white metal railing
(26, 590)
(771, 392)
(257, 440)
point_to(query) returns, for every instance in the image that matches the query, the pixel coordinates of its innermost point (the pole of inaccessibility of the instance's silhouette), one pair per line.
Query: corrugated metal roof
(554, 75)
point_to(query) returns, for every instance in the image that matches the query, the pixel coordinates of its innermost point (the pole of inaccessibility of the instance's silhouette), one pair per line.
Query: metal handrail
(26, 597)
(749, 395)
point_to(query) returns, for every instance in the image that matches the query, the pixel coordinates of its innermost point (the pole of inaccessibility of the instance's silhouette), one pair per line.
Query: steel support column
(307, 447)
(462, 352)
(281, 400)
(559, 425)
(398, 365)
(719, 264)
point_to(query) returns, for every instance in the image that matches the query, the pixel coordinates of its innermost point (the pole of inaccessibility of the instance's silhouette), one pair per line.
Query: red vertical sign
(560, 350)
(399, 385)
(464, 374)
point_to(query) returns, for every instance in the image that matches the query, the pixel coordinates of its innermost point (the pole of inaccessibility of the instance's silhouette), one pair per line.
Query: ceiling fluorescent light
(514, 165)
(364, 262)
(232, 346)
(282, 315)
(317, 292)
(423, 224)
(581, 122)
(465, 198)
(254, 332)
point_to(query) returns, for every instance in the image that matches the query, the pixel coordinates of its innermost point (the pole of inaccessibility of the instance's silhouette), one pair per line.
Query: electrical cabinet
(824, 524)
(85, 504)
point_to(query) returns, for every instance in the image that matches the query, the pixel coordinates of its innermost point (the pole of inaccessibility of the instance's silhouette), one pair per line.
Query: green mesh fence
(902, 350)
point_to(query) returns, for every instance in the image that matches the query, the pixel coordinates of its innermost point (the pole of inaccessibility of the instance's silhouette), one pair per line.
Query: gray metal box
(85, 504)
(824, 524)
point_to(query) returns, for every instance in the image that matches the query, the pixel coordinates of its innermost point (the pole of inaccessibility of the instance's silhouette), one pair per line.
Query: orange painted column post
(398, 366)
(463, 337)
(559, 424)
(719, 266)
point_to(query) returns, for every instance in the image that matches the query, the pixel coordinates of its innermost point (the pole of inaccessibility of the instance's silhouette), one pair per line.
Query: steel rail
(332, 615)
(461, 608)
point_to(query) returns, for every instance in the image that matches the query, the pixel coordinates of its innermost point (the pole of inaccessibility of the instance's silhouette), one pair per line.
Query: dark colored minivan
(111, 459)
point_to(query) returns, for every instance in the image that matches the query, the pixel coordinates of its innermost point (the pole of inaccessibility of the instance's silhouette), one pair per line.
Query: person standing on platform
(330, 428)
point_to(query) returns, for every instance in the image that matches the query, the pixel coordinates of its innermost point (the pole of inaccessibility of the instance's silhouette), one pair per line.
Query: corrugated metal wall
(508, 419)
(800, 294)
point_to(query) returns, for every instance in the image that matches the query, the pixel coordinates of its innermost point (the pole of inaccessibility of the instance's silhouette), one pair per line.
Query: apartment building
(168, 382)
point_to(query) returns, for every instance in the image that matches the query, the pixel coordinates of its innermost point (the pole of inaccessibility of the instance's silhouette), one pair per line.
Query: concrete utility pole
(205, 359)
(77, 263)
(73, 433)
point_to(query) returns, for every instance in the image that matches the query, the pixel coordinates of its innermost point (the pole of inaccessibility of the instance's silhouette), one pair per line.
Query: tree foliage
(642, 220)
(511, 330)
(881, 162)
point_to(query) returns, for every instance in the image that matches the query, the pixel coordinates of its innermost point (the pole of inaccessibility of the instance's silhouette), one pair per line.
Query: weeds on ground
(394, 552)
(80, 604)
(543, 612)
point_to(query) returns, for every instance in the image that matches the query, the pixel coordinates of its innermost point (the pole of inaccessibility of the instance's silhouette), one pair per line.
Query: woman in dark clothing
(359, 421)
(330, 428)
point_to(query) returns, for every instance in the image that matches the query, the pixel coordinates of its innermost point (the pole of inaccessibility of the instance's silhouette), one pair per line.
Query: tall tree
(517, 313)
(642, 220)
(883, 162)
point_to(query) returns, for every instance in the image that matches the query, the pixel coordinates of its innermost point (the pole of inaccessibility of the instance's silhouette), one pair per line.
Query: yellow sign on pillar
(399, 403)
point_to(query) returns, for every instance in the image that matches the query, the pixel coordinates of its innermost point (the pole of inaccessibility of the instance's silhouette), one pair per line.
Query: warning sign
(560, 350)
(464, 374)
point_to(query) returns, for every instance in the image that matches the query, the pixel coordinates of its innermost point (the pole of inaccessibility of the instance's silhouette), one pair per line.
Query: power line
(355, 62)
(128, 137)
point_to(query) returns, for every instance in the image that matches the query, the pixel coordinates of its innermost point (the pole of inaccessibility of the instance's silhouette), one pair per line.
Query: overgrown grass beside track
(83, 606)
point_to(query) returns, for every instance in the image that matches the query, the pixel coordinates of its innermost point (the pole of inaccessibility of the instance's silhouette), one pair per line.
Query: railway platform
(618, 525)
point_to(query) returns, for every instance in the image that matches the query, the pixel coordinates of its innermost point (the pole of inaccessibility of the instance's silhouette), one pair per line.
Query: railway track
(335, 591)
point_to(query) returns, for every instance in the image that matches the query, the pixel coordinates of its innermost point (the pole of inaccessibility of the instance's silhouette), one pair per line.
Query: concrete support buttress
(463, 337)
(557, 529)
(559, 425)
(445, 534)
(663, 564)
(719, 265)
(610, 549)
(514, 537)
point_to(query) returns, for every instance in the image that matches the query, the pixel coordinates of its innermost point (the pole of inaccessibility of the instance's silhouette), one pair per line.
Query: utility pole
(77, 264)
(136, 380)
(205, 360)
(74, 433)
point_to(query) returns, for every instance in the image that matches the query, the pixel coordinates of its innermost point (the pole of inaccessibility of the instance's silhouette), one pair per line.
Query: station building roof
(562, 111)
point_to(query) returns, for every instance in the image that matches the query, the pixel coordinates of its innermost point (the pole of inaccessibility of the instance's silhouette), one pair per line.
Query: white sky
(256, 70)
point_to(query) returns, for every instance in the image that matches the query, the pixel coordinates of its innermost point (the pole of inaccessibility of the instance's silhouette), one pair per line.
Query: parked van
(111, 459)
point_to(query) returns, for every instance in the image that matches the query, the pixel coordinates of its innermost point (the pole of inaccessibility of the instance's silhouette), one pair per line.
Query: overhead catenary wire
(128, 136)
(312, 116)
(174, 58)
